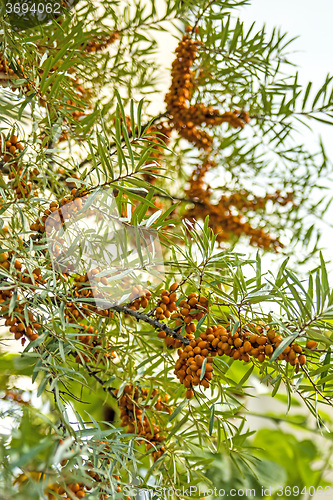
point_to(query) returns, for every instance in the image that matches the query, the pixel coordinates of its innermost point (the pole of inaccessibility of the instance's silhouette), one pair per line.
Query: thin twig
(315, 387)
(201, 14)
(171, 482)
(100, 381)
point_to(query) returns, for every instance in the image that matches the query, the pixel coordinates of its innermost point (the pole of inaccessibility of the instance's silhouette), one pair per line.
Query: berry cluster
(222, 218)
(167, 305)
(76, 311)
(91, 339)
(56, 214)
(81, 311)
(15, 395)
(97, 478)
(193, 308)
(239, 345)
(186, 117)
(172, 342)
(5, 66)
(83, 288)
(10, 148)
(76, 490)
(82, 282)
(8, 75)
(55, 490)
(133, 404)
(10, 71)
(100, 43)
(190, 309)
(18, 326)
(139, 297)
(243, 200)
(21, 179)
(79, 490)
(17, 320)
(188, 367)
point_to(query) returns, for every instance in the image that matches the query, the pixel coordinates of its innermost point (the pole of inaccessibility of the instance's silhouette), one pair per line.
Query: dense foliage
(124, 283)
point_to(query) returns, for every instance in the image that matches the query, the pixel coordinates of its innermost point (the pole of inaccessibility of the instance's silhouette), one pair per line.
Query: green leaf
(178, 410)
(285, 342)
(211, 419)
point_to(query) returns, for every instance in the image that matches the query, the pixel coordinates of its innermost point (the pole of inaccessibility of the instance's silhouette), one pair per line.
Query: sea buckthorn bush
(153, 295)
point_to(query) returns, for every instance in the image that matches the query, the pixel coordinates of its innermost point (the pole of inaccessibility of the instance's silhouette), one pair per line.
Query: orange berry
(238, 342)
(311, 344)
(302, 359)
(205, 383)
(203, 301)
(247, 346)
(189, 393)
(271, 334)
(262, 340)
(199, 360)
(202, 345)
(292, 355)
(235, 354)
(268, 349)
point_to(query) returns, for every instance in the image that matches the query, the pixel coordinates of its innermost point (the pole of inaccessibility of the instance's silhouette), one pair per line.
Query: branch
(144, 317)
(201, 14)
(159, 195)
(153, 322)
(100, 381)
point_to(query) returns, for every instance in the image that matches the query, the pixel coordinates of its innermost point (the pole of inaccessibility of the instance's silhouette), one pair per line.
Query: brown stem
(153, 322)
(100, 381)
(202, 13)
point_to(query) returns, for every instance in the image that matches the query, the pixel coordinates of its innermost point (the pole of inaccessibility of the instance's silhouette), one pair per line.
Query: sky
(311, 22)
